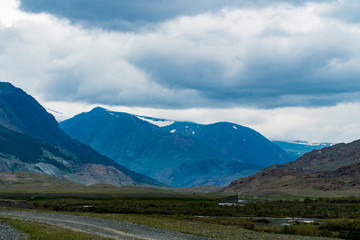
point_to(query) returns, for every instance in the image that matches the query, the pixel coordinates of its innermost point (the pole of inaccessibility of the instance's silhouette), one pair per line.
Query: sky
(288, 69)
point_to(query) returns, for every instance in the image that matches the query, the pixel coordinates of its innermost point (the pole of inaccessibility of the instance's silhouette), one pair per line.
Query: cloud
(333, 124)
(276, 56)
(282, 54)
(133, 15)
(348, 11)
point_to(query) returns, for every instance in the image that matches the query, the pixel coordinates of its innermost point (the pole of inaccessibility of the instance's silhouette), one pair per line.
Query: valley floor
(112, 226)
(113, 229)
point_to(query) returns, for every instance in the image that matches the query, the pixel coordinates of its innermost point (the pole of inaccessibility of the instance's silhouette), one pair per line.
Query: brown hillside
(334, 169)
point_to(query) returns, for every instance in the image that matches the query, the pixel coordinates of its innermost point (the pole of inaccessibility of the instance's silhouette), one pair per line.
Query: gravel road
(8, 233)
(101, 227)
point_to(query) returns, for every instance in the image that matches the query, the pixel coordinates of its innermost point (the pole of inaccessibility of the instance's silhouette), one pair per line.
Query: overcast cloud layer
(184, 54)
(135, 15)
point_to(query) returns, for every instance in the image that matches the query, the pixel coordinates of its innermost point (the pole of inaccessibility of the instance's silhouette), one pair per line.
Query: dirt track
(101, 227)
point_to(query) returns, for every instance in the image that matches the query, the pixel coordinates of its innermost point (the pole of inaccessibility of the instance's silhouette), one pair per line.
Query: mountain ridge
(177, 153)
(39, 145)
(334, 168)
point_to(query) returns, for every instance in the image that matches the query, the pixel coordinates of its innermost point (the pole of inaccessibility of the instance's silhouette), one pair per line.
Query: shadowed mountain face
(335, 168)
(22, 113)
(177, 153)
(31, 140)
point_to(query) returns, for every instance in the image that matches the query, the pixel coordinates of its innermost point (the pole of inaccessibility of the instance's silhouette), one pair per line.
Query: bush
(288, 230)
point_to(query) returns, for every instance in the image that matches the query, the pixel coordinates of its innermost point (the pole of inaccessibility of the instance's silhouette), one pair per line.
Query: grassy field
(41, 231)
(30, 184)
(201, 213)
(33, 185)
(220, 228)
(336, 218)
(308, 208)
(201, 227)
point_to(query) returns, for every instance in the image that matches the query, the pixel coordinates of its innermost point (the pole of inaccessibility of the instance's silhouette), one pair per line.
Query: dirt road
(101, 227)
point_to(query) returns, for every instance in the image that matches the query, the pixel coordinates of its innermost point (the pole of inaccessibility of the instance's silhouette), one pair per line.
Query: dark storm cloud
(133, 15)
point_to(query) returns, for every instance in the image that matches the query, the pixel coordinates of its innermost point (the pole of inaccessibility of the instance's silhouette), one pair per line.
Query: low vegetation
(41, 231)
(334, 218)
(138, 205)
(308, 208)
(207, 227)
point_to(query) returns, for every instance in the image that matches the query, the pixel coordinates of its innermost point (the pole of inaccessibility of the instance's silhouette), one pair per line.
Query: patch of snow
(51, 110)
(234, 127)
(111, 113)
(172, 131)
(193, 132)
(186, 126)
(159, 123)
(311, 143)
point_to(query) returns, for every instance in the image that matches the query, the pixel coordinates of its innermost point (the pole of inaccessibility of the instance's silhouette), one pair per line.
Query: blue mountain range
(182, 154)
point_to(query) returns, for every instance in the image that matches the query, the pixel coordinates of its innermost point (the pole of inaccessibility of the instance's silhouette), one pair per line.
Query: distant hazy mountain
(335, 168)
(298, 148)
(177, 153)
(31, 140)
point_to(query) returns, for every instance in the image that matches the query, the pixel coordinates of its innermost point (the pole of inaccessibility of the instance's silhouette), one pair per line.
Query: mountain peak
(177, 153)
(6, 87)
(98, 109)
(32, 141)
(20, 112)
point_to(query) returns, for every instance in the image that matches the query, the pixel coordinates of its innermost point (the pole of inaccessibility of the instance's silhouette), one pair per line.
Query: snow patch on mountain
(311, 143)
(172, 131)
(157, 122)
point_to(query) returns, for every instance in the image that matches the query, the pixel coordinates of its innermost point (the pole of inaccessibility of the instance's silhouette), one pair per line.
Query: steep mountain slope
(177, 153)
(31, 140)
(298, 148)
(232, 141)
(335, 168)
